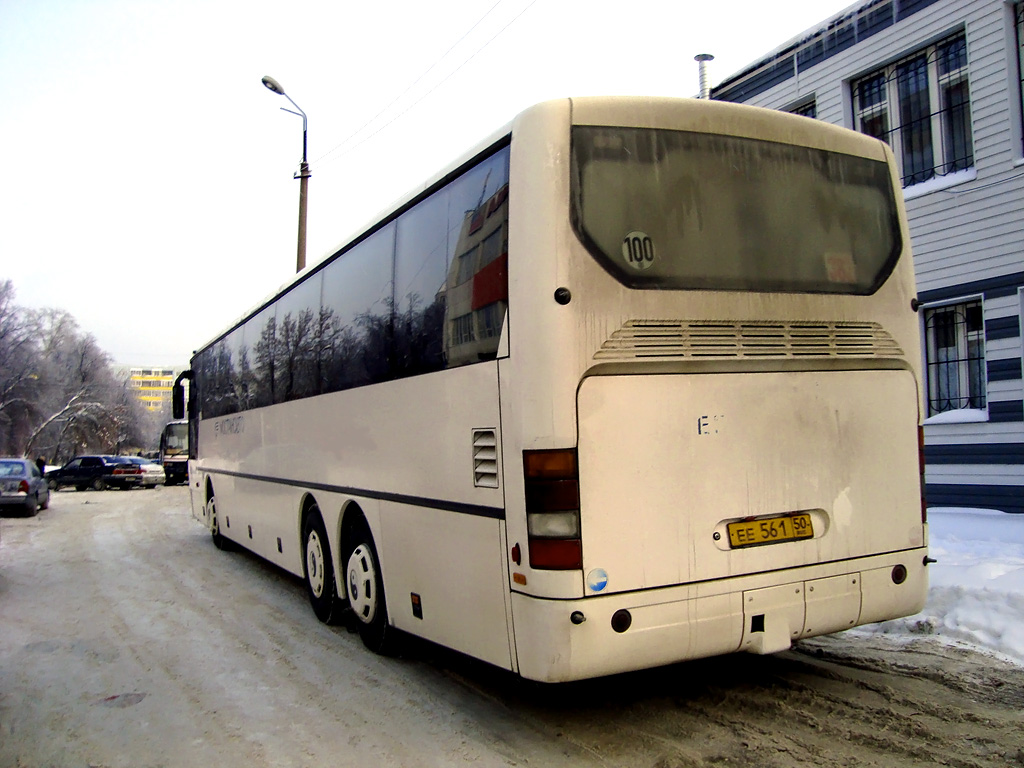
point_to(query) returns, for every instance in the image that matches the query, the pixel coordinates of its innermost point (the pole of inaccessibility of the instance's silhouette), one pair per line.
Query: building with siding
(942, 82)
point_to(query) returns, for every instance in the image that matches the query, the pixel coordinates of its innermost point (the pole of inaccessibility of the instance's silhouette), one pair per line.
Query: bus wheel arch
(318, 565)
(364, 583)
(220, 541)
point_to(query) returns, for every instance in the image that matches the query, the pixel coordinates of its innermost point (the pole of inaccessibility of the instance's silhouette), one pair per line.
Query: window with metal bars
(920, 105)
(955, 349)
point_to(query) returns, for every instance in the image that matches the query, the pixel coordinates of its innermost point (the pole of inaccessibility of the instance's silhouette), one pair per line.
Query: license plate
(771, 530)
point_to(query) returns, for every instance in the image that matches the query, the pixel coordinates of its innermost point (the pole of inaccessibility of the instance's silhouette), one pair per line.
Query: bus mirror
(178, 394)
(178, 401)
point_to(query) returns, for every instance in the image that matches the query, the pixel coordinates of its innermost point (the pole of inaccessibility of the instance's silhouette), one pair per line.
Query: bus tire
(220, 541)
(365, 585)
(319, 569)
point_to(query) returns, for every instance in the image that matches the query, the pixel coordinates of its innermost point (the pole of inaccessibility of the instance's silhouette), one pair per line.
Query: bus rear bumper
(761, 613)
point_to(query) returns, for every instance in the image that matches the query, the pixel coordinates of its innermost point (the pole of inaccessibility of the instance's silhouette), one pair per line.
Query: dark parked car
(22, 486)
(96, 472)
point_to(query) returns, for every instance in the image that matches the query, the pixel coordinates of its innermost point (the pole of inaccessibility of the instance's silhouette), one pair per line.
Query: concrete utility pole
(303, 174)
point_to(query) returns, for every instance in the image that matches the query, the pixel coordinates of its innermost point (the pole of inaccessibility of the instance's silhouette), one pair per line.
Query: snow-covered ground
(976, 596)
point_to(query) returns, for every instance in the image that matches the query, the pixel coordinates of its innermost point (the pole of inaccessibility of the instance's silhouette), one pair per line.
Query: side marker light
(621, 620)
(899, 574)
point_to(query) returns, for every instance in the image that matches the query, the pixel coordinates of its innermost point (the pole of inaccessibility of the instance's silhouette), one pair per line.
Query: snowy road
(127, 639)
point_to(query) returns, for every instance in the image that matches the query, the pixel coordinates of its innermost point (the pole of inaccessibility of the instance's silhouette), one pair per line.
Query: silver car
(152, 473)
(22, 486)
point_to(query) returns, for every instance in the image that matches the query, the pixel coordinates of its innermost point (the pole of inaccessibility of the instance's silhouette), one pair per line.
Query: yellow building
(152, 386)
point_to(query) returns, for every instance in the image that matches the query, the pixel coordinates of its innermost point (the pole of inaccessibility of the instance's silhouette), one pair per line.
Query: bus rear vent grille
(485, 458)
(708, 340)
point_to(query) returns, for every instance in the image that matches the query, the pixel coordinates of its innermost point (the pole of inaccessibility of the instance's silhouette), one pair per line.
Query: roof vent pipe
(702, 60)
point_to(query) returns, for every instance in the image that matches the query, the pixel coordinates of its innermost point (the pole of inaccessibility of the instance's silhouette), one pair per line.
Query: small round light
(563, 296)
(621, 620)
(577, 617)
(899, 574)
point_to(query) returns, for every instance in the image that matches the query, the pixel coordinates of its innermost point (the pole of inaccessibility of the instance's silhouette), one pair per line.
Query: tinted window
(398, 304)
(298, 332)
(258, 385)
(199, 386)
(476, 293)
(421, 267)
(355, 319)
(230, 369)
(674, 209)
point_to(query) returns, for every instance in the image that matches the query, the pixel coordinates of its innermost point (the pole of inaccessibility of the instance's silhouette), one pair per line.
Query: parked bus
(637, 381)
(174, 451)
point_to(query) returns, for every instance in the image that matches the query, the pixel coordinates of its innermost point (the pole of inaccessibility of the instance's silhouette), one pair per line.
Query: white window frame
(889, 108)
(490, 317)
(964, 413)
(462, 329)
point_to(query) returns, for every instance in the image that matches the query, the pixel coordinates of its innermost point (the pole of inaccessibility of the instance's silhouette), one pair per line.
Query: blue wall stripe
(905, 8)
(987, 453)
(1002, 328)
(1008, 410)
(871, 21)
(1004, 370)
(993, 288)
(1008, 498)
(868, 20)
(768, 77)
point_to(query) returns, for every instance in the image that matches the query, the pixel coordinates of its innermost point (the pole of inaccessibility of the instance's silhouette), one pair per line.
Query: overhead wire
(427, 93)
(412, 85)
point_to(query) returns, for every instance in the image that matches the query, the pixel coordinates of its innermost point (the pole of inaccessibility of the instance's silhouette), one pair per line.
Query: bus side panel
(445, 579)
(411, 438)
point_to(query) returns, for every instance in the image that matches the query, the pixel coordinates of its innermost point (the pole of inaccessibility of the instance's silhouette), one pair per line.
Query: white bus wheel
(219, 540)
(365, 586)
(323, 594)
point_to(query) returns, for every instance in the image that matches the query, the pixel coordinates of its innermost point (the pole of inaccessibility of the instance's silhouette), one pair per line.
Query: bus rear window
(675, 209)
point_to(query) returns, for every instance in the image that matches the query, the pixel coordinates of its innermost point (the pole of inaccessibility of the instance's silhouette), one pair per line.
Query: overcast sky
(146, 173)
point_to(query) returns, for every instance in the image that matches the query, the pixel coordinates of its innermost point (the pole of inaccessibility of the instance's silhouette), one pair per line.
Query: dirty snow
(976, 593)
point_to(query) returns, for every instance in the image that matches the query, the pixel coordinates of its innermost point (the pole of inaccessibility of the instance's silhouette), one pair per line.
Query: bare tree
(19, 374)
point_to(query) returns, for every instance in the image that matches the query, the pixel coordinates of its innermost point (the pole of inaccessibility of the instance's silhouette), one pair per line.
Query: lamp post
(303, 174)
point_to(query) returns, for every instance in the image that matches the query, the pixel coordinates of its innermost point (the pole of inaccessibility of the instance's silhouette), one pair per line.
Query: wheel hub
(314, 564)
(362, 580)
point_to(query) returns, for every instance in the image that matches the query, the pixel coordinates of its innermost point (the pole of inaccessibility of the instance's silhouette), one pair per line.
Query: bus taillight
(553, 509)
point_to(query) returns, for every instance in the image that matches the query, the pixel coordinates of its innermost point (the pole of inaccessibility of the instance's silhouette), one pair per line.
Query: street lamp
(303, 174)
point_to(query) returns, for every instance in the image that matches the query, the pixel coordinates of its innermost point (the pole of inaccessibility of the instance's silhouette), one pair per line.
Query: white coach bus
(636, 382)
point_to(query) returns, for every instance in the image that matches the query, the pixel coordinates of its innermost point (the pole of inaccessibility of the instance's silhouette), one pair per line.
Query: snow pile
(976, 593)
